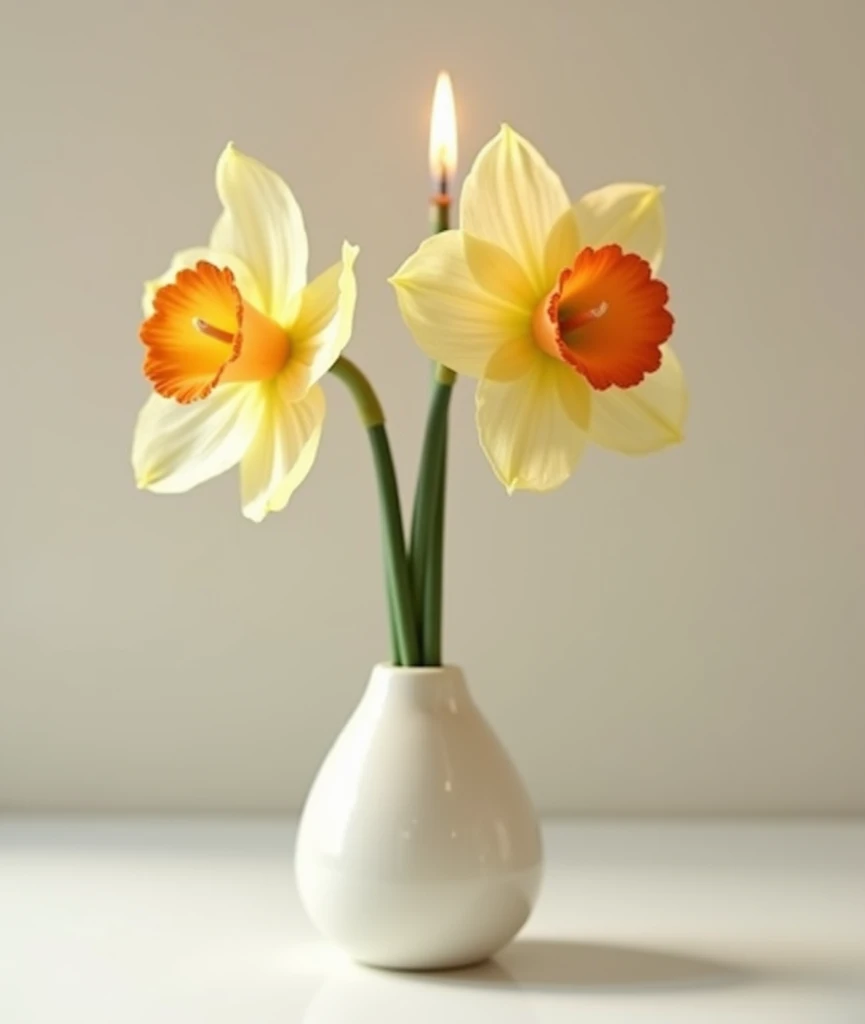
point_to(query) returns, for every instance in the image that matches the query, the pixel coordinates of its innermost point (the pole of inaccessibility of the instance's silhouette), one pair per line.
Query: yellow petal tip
(229, 153)
(400, 281)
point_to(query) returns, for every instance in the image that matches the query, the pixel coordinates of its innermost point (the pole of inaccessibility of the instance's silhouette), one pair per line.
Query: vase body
(418, 847)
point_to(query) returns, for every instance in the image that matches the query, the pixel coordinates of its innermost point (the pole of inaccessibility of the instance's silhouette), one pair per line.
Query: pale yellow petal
(644, 418)
(282, 451)
(453, 319)
(297, 474)
(177, 447)
(513, 199)
(512, 361)
(629, 215)
(532, 426)
(498, 273)
(323, 325)
(262, 224)
(187, 259)
(563, 244)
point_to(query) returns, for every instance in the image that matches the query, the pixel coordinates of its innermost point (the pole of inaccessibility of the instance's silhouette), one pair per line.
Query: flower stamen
(580, 319)
(203, 327)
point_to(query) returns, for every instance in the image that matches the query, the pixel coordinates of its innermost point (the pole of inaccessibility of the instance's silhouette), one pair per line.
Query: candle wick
(443, 181)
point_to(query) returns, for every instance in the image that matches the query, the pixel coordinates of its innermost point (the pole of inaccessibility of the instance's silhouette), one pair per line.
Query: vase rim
(420, 670)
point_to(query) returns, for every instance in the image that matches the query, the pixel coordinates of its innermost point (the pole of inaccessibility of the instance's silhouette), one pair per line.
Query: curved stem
(368, 405)
(406, 649)
(396, 561)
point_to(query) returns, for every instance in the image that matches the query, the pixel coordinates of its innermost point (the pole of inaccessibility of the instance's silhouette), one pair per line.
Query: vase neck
(421, 688)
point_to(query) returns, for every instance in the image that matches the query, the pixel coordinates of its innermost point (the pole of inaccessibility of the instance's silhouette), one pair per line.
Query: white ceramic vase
(418, 847)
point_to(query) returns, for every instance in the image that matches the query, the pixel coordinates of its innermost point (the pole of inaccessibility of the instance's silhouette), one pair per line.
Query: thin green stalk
(405, 645)
(395, 655)
(425, 495)
(427, 551)
(427, 533)
(368, 405)
(396, 560)
(431, 626)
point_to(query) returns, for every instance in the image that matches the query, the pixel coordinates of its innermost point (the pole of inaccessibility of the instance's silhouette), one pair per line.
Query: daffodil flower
(236, 342)
(556, 308)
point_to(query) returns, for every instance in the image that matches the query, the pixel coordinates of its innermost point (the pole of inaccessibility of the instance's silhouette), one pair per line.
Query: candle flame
(443, 134)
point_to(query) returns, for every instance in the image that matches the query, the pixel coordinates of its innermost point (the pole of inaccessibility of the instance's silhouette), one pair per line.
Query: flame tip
(443, 130)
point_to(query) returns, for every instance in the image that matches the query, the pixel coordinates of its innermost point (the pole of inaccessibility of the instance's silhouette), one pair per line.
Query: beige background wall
(679, 634)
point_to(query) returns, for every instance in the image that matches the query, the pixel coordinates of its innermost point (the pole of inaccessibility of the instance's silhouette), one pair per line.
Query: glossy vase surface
(418, 847)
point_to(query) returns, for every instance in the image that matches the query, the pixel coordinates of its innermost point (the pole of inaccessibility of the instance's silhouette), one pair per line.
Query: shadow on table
(505, 989)
(557, 964)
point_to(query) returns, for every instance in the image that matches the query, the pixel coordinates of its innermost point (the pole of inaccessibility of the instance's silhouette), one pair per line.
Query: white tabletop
(197, 922)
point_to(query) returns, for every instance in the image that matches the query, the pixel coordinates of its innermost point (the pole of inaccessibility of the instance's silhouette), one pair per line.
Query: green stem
(428, 520)
(427, 531)
(368, 405)
(396, 560)
(395, 655)
(425, 496)
(406, 650)
(434, 577)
